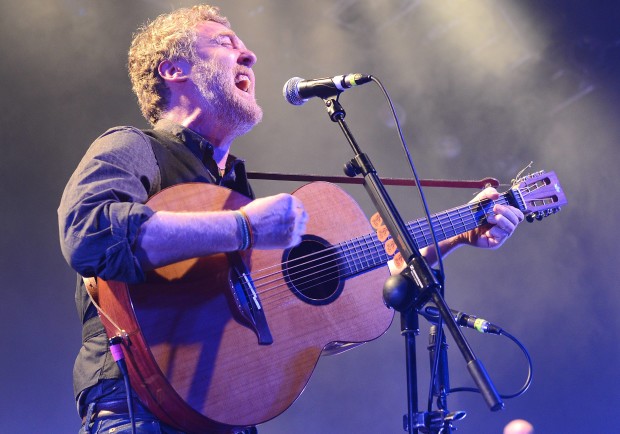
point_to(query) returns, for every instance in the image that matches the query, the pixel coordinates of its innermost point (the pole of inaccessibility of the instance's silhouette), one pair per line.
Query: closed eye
(225, 41)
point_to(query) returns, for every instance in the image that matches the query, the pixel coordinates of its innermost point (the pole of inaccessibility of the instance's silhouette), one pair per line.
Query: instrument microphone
(297, 90)
(464, 320)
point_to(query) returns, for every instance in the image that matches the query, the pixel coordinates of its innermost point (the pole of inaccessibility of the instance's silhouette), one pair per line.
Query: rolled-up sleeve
(103, 205)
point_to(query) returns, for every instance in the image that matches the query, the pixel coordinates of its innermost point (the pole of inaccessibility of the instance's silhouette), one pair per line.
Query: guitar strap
(446, 183)
(93, 327)
(177, 164)
(91, 284)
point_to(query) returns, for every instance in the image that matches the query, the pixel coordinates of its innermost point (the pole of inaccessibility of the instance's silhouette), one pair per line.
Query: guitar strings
(474, 211)
(346, 255)
(423, 230)
(437, 219)
(329, 270)
(339, 266)
(342, 255)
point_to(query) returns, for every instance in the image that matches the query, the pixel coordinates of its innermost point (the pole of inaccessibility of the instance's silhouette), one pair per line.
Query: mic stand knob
(435, 422)
(352, 169)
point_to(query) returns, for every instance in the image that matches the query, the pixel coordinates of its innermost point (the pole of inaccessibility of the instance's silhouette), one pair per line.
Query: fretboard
(367, 252)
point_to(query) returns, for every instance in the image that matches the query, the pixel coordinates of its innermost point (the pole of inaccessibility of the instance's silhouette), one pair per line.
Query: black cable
(431, 228)
(129, 401)
(415, 176)
(528, 380)
(119, 357)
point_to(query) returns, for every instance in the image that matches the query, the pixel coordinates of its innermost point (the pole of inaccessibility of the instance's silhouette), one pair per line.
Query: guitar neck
(367, 252)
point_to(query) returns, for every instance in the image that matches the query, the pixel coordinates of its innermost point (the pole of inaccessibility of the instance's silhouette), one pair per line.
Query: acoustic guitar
(230, 340)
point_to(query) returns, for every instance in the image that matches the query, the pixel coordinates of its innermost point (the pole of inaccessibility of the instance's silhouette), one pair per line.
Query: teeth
(243, 82)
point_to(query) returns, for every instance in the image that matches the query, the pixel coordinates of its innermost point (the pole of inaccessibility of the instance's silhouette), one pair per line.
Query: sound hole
(312, 270)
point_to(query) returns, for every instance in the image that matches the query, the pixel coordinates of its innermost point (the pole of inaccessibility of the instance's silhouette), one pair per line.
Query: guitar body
(230, 340)
(196, 360)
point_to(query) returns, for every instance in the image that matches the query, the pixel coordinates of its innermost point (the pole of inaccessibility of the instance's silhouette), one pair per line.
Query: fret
(484, 208)
(342, 261)
(360, 254)
(365, 253)
(460, 214)
(381, 256)
(453, 232)
(424, 242)
(377, 252)
(472, 213)
(442, 231)
(368, 255)
(363, 249)
(354, 256)
(345, 248)
(351, 256)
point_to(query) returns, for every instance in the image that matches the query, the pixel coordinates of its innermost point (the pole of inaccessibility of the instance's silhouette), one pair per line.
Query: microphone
(297, 90)
(431, 313)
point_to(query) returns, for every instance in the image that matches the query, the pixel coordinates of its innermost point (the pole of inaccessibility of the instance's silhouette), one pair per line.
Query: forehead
(207, 30)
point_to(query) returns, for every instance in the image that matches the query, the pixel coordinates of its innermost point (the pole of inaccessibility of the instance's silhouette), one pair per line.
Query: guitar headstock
(538, 195)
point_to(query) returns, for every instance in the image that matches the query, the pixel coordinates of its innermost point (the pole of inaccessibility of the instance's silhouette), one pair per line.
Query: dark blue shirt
(103, 207)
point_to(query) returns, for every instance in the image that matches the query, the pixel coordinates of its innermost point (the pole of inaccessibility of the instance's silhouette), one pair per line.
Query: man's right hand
(277, 221)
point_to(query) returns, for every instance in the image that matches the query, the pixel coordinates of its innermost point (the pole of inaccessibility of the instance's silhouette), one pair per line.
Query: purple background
(482, 88)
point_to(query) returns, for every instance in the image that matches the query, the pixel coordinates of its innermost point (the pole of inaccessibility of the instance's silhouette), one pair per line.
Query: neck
(217, 132)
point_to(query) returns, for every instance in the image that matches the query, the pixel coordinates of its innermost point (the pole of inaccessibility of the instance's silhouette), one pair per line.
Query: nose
(247, 58)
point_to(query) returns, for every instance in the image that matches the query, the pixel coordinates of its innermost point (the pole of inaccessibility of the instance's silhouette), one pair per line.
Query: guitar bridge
(248, 301)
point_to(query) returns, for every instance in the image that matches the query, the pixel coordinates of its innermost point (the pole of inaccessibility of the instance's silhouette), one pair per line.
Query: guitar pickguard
(248, 300)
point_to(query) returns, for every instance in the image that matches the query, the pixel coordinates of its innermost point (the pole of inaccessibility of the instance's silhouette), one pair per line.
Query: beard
(219, 92)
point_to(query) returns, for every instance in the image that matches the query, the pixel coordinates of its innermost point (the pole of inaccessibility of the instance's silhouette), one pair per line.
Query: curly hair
(170, 36)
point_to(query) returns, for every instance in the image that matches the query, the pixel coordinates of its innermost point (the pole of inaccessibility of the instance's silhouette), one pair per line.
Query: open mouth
(243, 82)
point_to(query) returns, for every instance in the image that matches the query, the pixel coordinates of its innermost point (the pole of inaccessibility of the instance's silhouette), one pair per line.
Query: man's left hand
(501, 223)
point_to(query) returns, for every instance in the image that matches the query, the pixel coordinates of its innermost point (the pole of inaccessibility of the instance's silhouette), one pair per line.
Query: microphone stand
(411, 289)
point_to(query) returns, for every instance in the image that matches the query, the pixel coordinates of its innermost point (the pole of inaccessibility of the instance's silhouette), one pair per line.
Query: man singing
(194, 82)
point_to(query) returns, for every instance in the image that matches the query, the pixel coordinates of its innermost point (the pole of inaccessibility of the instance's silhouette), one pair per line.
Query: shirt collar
(199, 146)
(203, 150)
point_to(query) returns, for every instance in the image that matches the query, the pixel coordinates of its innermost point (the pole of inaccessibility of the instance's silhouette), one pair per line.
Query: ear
(174, 71)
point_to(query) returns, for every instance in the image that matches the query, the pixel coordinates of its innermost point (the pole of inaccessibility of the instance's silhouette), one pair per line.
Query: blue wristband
(242, 225)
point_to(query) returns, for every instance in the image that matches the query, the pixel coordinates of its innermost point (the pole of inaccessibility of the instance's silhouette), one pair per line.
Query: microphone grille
(291, 93)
